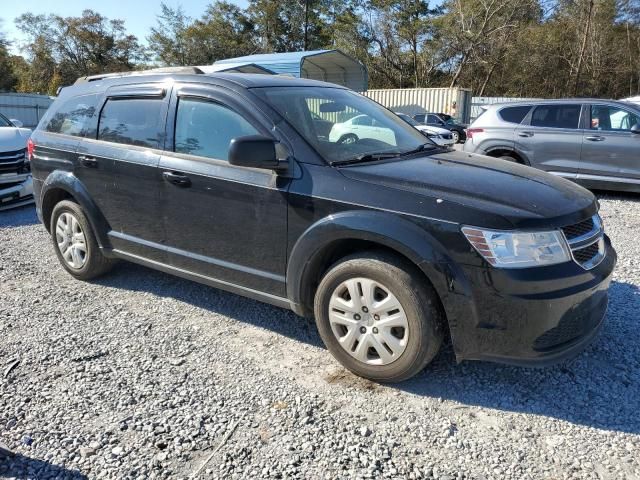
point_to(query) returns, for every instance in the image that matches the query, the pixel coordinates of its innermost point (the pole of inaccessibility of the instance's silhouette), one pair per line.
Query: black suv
(391, 242)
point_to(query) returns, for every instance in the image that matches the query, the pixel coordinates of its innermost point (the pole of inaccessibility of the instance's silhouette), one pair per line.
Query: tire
(348, 139)
(456, 136)
(82, 258)
(381, 356)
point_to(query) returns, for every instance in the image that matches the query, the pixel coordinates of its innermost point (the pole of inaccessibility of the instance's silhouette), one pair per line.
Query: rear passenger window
(556, 116)
(132, 121)
(73, 116)
(514, 114)
(206, 128)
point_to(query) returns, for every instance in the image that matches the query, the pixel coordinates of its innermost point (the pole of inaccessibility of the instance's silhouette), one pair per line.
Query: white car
(16, 188)
(440, 136)
(359, 127)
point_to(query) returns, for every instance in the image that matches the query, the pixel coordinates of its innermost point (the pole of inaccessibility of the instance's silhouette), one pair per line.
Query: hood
(12, 138)
(481, 191)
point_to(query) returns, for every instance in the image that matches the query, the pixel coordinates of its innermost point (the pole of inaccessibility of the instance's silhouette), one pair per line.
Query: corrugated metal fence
(26, 107)
(453, 101)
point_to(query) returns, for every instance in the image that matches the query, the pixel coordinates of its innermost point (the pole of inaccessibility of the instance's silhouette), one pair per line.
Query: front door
(610, 151)
(224, 222)
(551, 138)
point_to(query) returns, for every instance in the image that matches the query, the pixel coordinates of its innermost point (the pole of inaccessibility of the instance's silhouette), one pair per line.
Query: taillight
(471, 131)
(30, 147)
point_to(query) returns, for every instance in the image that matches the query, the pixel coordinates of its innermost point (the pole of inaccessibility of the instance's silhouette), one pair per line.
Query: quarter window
(514, 114)
(612, 118)
(73, 116)
(206, 128)
(132, 121)
(556, 116)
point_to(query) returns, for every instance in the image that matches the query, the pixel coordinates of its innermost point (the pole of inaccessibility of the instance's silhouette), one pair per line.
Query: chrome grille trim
(577, 244)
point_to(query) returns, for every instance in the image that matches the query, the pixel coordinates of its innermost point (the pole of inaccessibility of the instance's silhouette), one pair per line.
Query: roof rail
(186, 70)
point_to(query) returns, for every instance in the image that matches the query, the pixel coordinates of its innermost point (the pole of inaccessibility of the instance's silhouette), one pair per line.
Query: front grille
(586, 242)
(586, 254)
(6, 186)
(579, 229)
(12, 161)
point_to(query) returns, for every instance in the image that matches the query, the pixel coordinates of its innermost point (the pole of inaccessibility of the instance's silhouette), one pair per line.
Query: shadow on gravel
(19, 217)
(128, 276)
(600, 388)
(21, 467)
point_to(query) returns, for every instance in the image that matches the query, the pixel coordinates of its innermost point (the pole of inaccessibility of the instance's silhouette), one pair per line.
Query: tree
(71, 47)
(8, 79)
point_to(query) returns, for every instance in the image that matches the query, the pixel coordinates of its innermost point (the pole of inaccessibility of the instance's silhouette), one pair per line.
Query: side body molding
(61, 180)
(388, 230)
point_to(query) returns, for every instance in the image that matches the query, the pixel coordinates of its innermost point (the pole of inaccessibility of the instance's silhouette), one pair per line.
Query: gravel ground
(143, 375)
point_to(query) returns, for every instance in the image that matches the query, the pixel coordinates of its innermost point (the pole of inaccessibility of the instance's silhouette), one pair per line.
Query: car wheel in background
(379, 316)
(348, 139)
(456, 136)
(75, 244)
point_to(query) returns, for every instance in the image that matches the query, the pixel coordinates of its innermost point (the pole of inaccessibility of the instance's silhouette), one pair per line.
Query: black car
(458, 130)
(392, 245)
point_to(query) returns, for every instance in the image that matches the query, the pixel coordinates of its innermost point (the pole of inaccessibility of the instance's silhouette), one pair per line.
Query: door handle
(525, 134)
(595, 138)
(90, 162)
(178, 179)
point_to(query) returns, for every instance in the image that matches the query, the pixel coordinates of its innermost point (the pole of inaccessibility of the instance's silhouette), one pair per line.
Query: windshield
(408, 119)
(4, 122)
(342, 125)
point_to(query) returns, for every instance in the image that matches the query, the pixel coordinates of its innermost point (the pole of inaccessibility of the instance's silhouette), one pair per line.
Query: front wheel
(379, 317)
(456, 136)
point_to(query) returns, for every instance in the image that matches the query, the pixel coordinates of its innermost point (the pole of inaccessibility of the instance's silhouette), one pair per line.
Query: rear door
(551, 138)
(610, 151)
(121, 157)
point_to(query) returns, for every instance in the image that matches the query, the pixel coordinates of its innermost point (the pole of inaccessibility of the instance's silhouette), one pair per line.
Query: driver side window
(206, 128)
(607, 118)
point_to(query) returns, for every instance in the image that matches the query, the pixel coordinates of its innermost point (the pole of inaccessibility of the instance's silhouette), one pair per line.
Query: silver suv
(593, 142)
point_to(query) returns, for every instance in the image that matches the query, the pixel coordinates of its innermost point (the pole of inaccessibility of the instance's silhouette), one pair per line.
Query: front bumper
(533, 317)
(15, 190)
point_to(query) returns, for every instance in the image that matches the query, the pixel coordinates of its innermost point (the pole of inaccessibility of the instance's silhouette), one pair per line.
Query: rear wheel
(379, 317)
(75, 244)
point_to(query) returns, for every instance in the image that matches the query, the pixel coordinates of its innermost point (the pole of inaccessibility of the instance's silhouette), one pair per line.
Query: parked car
(361, 127)
(390, 242)
(593, 142)
(458, 130)
(440, 136)
(16, 187)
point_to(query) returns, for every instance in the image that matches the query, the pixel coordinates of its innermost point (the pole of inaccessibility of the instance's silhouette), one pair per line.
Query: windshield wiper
(421, 148)
(367, 157)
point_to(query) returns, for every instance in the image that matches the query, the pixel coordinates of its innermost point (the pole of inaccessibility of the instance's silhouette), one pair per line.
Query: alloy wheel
(368, 321)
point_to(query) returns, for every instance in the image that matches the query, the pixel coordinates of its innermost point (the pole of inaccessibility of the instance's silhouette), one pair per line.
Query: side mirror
(636, 129)
(254, 151)
(17, 122)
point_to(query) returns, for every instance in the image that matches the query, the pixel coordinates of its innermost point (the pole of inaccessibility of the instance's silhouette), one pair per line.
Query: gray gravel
(143, 375)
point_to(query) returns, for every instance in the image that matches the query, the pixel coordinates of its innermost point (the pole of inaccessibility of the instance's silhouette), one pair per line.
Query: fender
(60, 180)
(407, 238)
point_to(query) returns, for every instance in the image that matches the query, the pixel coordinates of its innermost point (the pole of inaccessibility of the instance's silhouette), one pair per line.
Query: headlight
(518, 249)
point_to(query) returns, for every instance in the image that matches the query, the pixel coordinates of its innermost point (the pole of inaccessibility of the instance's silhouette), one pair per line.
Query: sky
(139, 15)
